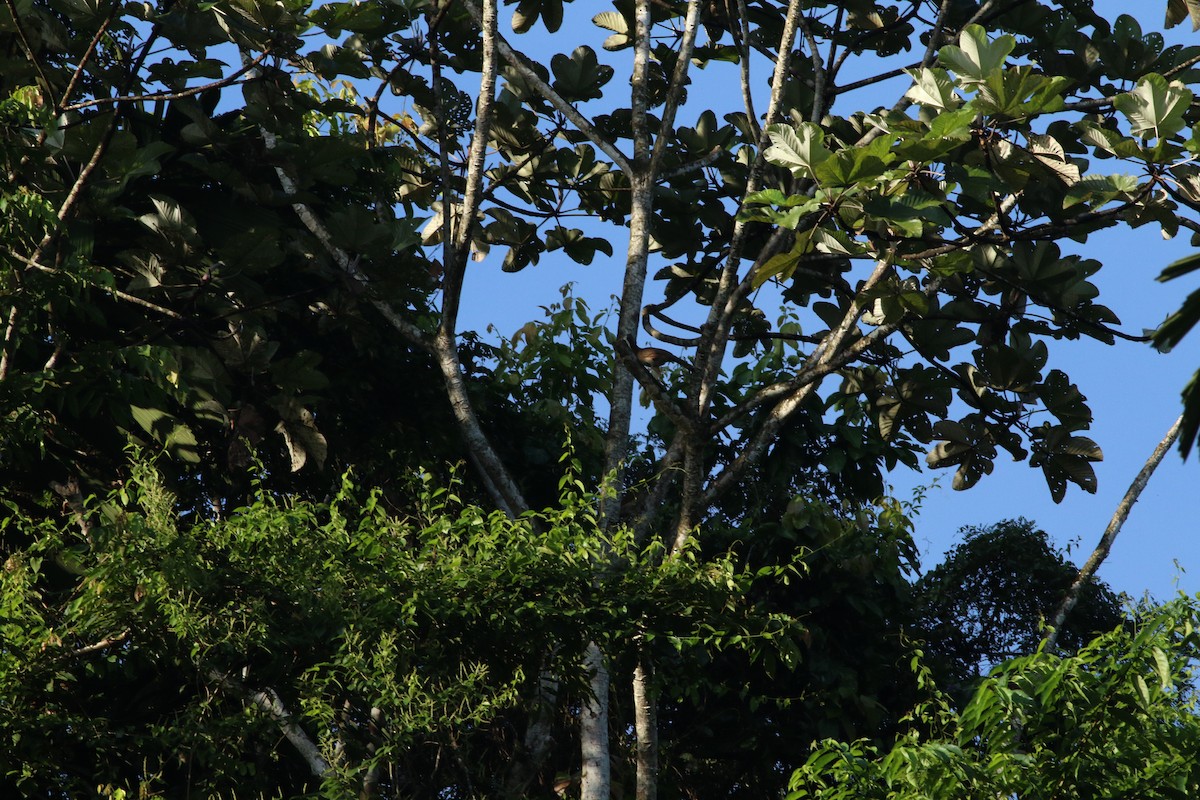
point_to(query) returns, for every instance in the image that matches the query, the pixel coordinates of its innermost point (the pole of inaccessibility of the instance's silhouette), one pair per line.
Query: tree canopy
(234, 238)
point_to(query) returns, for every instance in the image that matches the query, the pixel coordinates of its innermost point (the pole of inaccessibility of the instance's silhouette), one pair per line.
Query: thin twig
(679, 79)
(87, 55)
(27, 48)
(744, 68)
(195, 90)
(120, 295)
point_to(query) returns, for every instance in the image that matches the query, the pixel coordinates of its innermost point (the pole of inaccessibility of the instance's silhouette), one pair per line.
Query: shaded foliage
(991, 597)
(1116, 719)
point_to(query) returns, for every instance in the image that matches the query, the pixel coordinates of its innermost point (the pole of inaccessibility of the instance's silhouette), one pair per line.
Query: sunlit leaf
(1155, 108)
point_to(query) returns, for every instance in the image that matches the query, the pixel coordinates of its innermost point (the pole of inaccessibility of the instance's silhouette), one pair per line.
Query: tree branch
(818, 104)
(679, 79)
(195, 90)
(27, 48)
(554, 98)
(646, 727)
(821, 361)
(709, 357)
(120, 295)
(87, 56)
(744, 68)
(268, 701)
(103, 644)
(10, 335)
(498, 483)
(640, 94)
(1088, 570)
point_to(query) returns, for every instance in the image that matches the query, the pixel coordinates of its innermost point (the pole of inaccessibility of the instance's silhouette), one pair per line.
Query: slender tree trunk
(645, 723)
(596, 781)
(539, 736)
(1105, 544)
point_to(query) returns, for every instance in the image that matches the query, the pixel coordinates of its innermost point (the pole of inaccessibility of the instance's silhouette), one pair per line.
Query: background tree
(1118, 717)
(991, 598)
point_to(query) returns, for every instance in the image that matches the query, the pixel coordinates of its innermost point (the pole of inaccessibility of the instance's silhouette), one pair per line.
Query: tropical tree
(991, 598)
(1117, 719)
(202, 270)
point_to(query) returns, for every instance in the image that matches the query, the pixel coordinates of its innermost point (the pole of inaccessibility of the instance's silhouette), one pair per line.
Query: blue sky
(1133, 390)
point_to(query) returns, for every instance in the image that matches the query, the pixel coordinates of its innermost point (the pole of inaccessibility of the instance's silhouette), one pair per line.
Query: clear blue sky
(1133, 391)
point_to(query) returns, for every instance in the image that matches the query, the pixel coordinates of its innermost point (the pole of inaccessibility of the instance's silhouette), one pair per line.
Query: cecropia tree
(912, 252)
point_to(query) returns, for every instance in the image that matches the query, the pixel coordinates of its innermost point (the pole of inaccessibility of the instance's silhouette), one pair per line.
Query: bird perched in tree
(655, 357)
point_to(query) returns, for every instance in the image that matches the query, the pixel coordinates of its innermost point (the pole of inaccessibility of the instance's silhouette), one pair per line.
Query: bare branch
(117, 293)
(1088, 570)
(818, 105)
(499, 484)
(678, 79)
(103, 644)
(691, 166)
(935, 35)
(820, 363)
(744, 66)
(668, 471)
(268, 701)
(27, 48)
(87, 56)
(709, 357)
(10, 335)
(190, 92)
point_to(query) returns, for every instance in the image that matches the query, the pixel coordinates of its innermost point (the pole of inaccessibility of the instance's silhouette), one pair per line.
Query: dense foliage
(160, 655)
(990, 600)
(1118, 719)
(236, 235)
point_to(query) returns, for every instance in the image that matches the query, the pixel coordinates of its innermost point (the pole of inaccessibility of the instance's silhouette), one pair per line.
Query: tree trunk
(1110, 533)
(596, 781)
(646, 727)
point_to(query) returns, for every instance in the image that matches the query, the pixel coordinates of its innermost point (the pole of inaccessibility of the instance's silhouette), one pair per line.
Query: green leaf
(1143, 691)
(176, 438)
(1155, 108)
(1019, 92)
(1163, 667)
(782, 265)
(1176, 269)
(1050, 154)
(1109, 140)
(800, 149)
(856, 165)
(975, 58)
(528, 11)
(1101, 189)
(1064, 400)
(933, 88)
(615, 22)
(581, 76)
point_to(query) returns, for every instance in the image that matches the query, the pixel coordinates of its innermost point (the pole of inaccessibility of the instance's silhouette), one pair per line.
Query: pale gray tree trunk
(596, 780)
(645, 723)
